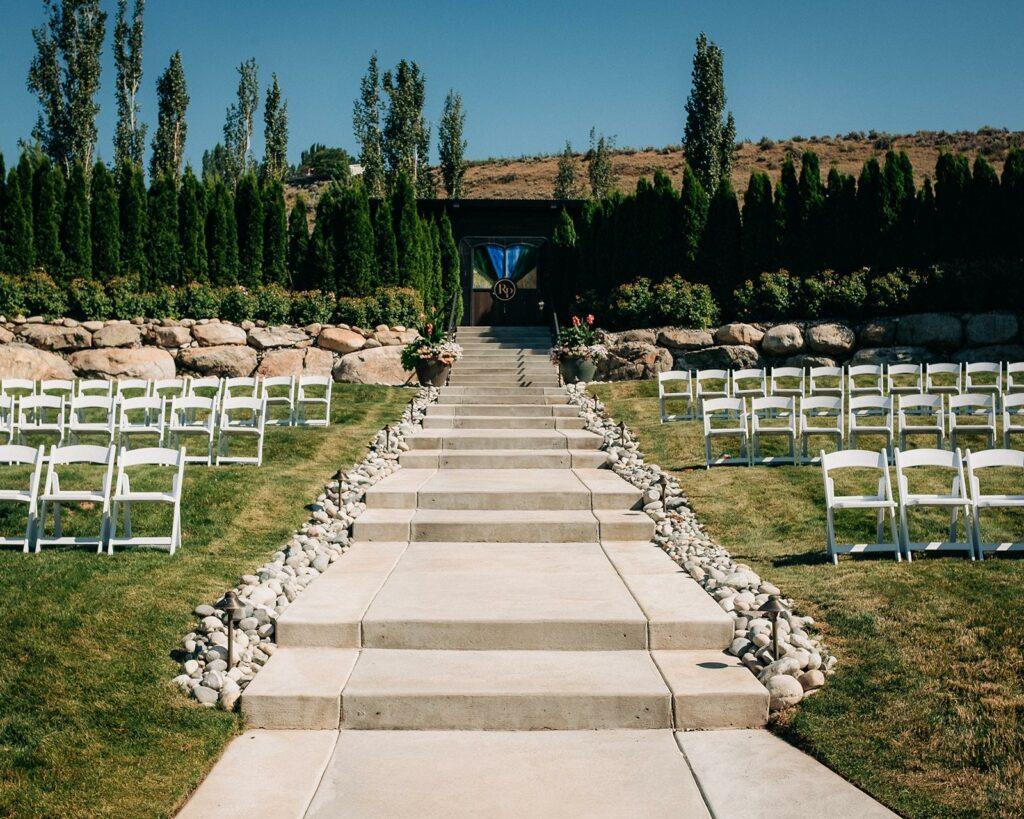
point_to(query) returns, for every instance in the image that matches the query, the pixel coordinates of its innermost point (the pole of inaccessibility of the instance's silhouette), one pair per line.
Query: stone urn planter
(432, 373)
(575, 370)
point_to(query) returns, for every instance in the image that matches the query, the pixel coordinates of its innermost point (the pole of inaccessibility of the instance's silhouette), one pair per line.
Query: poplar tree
(171, 130)
(707, 139)
(238, 124)
(130, 134)
(164, 242)
(599, 167)
(403, 209)
(451, 268)
(192, 227)
(275, 132)
(451, 146)
(134, 220)
(298, 243)
(106, 227)
(693, 215)
(249, 219)
(75, 229)
(275, 233)
(366, 123)
(760, 242)
(221, 234)
(384, 243)
(406, 143)
(567, 176)
(16, 227)
(65, 75)
(47, 196)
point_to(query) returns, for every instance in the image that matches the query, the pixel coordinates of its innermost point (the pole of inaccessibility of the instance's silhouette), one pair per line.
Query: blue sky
(534, 74)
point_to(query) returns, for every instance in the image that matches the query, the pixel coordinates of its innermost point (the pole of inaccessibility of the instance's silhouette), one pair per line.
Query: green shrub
(312, 307)
(684, 304)
(351, 311)
(238, 305)
(395, 306)
(161, 303)
(126, 302)
(12, 297)
(89, 300)
(273, 304)
(199, 301)
(631, 304)
(42, 296)
(771, 297)
(890, 292)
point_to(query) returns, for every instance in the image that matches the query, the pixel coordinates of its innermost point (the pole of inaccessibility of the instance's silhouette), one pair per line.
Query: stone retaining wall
(65, 348)
(922, 337)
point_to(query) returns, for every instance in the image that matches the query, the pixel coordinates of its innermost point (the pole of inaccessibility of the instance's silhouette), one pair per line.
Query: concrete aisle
(503, 639)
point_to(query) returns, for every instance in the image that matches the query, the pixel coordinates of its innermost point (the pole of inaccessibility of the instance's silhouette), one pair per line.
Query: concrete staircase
(503, 580)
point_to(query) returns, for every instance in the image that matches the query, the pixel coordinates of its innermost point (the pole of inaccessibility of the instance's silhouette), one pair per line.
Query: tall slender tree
(106, 227)
(249, 218)
(192, 227)
(275, 132)
(720, 252)
(353, 242)
(1012, 187)
(298, 243)
(567, 184)
(164, 241)
(221, 233)
(760, 243)
(130, 135)
(238, 124)
(952, 200)
(707, 139)
(693, 215)
(47, 196)
(599, 167)
(563, 264)
(406, 131)
(134, 219)
(812, 205)
(384, 242)
(366, 123)
(985, 210)
(787, 213)
(172, 127)
(451, 146)
(275, 233)
(75, 229)
(451, 270)
(16, 227)
(407, 228)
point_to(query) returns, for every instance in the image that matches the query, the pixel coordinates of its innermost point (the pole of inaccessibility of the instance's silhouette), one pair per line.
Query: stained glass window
(493, 261)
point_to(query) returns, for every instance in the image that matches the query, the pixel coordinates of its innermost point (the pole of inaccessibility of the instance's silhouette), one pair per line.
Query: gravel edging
(270, 589)
(804, 660)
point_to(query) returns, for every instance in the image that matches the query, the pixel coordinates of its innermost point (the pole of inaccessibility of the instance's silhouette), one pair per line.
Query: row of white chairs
(692, 387)
(119, 421)
(114, 496)
(965, 499)
(953, 417)
(304, 400)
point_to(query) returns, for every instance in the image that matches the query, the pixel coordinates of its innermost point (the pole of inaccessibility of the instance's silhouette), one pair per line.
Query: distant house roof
(355, 169)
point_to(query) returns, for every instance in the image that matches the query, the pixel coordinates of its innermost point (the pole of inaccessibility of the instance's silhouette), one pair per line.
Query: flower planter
(432, 373)
(575, 370)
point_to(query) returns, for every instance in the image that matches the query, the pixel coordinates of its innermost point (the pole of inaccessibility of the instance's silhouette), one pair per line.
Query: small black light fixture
(233, 610)
(338, 476)
(772, 608)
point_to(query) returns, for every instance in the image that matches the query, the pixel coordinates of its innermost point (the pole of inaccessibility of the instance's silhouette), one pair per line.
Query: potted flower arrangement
(578, 350)
(432, 354)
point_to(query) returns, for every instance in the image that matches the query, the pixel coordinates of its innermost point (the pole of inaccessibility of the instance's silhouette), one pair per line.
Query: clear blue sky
(534, 74)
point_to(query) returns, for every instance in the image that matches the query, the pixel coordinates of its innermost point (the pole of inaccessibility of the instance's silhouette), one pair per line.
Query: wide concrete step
(501, 526)
(503, 410)
(529, 357)
(514, 380)
(503, 459)
(485, 439)
(511, 398)
(502, 367)
(499, 422)
(506, 346)
(524, 391)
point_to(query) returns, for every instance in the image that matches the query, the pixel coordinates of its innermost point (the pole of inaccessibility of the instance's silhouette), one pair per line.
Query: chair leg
(895, 539)
(707, 452)
(904, 529)
(127, 519)
(28, 531)
(58, 531)
(830, 536)
(176, 528)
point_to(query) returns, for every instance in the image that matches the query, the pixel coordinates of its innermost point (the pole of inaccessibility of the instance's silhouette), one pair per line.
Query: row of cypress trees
(878, 219)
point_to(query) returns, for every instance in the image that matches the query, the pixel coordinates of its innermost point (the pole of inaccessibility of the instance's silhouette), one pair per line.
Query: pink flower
(590, 318)
(575, 321)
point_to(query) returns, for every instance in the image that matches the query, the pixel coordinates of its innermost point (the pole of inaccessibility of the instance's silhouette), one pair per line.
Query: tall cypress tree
(275, 233)
(221, 234)
(759, 237)
(384, 242)
(16, 227)
(106, 225)
(694, 214)
(720, 252)
(812, 204)
(952, 201)
(249, 218)
(164, 242)
(134, 218)
(320, 259)
(985, 209)
(788, 210)
(47, 195)
(353, 243)
(75, 229)
(192, 227)
(1013, 201)
(436, 270)
(451, 267)
(870, 211)
(925, 223)
(407, 231)
(564, 264)
(298, 244)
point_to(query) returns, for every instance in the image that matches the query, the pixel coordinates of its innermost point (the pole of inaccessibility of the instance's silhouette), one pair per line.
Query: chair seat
(995, 501)
(934, 500)
(186, 429)
(235, 430)
(76, 495)
(727, 431)
(15, 495)
(143, 497)
(862, 502)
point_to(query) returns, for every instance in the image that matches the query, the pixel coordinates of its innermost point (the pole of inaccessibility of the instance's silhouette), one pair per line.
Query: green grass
(926, 711)
(90, 724)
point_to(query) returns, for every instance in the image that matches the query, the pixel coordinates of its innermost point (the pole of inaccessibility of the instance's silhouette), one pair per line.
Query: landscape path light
(772, 608)
(234, 611)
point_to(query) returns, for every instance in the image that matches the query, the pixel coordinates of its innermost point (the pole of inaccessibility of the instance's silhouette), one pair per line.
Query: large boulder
(269, 338)
(939, 330)
(634, 359)
(317, 362)
(25, 361)
(991, 328)
(389, 337)
(783, 339)
(150, 363)
(171, 336)
(892, 355)
(994, 352)
(291, 361)
(877, 333)
(379, 365)
(218, 334)
(739, 333)
(831, 339)
(340, 340)
(721, 357)
(681, 338)
(226, 361)
(55, 338)
(118, 335)
(807, 360)
(645, 336)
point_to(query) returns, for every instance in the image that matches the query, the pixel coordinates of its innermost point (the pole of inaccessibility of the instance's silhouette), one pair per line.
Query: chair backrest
(1014, 368)
(976, 367)
(730, 405)
(22, 455)
(944, 458)
(903, 371)
(995, 457)
(920, 401)
(275, 381)
(182, 411)
(942, 369)
(787, 372)
(240, 387)
(170, 387)
(712, 375)
(971, 402)
(95, 386)
(37, 404)
(207, 387)
(131, 385)
(854, 459)
(1013, 402)
(869, 403)
(786, 403)
(306, 381)
(81, 454)
(151, 456)
(57, 386)
(821, 404)
(18, 386)
(874, 371)
(151, 405)
(6, 408)
(81, 402)
(983, 375)
(254, 410)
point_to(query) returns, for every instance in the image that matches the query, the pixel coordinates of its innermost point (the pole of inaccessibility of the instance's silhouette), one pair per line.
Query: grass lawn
(90, 724)
(926, 711)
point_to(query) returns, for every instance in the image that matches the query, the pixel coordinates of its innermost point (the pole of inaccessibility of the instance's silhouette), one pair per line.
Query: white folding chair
(710, 384)
(773, 416)
(749, 383)
(125, 497)
(94, 386)
(788, 381)
(881, 502)
(1015, 376)
(820, 415)
(956, 501)
(870, 415)
(17, 387)
(1013, 417)
(243, 418)
(207, 387)
(92, 415)
(680, 382)
(904, 379)
(14, 455)
(825, 381)
(133, 388)
(64, 387)
(865, 379)
(993, 458)
(53, 494)
(944, 378)
(40, 415)
(279, 392)
(314, 393)
(731, 414)
(8, 418)
(972, 414)
(920, 415)
(168, 388)
(244, 387)
(140, 418)
(983, 377)
(193, 417)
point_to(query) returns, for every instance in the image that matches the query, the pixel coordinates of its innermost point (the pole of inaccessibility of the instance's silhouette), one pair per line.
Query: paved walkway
(502, 585)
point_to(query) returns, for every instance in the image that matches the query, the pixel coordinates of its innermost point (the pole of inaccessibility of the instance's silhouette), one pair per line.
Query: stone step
(513, 398)
(501, 525)
(507, 366)
(503, 459)
(484, 439)
(478, 391)
(500, 422)
(510, 380)
(506, 347)
(483, 357)
(503, 410)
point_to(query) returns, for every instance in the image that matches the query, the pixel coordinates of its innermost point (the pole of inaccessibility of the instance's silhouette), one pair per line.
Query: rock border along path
(499, 584)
